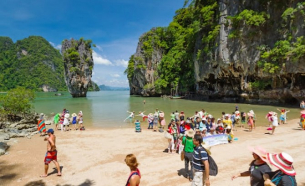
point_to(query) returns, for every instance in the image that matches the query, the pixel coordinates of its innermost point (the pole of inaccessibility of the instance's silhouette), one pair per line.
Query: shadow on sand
(55, 170)
(4, 175)
(87, 182)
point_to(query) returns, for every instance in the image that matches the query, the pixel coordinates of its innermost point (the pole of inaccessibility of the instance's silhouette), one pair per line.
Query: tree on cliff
(17, 101)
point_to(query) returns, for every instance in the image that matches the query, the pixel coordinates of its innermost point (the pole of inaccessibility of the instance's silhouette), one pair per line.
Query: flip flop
(43, 176)
(58, 174)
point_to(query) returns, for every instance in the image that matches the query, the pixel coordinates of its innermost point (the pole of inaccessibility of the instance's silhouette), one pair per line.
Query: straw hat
(73, 115)
(250, 114)
(259, 151)
(283, 161)
(251, 111)
(207, 148)
(190, 133)
(227, 115)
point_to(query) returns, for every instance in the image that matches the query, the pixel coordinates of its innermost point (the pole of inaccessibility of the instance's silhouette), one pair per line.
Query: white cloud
(99, 48)
(98, 59)
(55, 46)
(121, 62)
(115, 75)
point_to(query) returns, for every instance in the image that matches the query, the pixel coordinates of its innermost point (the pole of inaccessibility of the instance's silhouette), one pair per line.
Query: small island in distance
(108, 88)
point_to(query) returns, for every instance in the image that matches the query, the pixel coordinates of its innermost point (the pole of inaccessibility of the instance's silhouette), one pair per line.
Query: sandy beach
(96, 157)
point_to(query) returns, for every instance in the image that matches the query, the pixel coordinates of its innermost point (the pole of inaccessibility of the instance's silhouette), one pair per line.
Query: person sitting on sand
(283, 115)
(51, 154)
(285, 175)
(135, 175)
(137, 126)
(258, 167)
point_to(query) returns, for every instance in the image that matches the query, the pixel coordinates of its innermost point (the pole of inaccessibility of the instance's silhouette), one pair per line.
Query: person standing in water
(51, 154)
(130, 117)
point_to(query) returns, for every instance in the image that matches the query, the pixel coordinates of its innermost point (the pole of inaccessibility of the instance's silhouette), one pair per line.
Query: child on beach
(243, 118)
(274, 122)
(283, 115)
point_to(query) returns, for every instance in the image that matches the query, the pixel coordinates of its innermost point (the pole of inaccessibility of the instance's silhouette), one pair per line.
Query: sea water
(109, 108)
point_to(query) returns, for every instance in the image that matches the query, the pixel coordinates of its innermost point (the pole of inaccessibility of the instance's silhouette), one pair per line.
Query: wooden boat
(177, 97)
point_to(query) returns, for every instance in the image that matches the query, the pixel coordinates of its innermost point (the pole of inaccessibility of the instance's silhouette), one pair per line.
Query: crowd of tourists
(63, 120)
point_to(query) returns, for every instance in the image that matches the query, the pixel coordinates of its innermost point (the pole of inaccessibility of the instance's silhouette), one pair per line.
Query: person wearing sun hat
(285, 176)
(258, 167)
(187, 141)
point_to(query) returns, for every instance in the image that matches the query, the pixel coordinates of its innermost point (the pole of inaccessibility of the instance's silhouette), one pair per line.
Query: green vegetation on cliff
(30, 63)
(193, 38)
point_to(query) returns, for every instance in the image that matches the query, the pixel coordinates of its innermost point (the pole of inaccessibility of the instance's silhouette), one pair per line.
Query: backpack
(212, 164)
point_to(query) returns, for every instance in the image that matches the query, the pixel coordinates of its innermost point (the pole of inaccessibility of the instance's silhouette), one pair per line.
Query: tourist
(223, 115)
(274, 122)
(141, 114)
(130, 117)
(156, 121)
(237, 117)
(258, 167)
(171, 141)
(269, 117)
(188, 125)
(219, 127)
(230, 134)
(199, 124)
(56, 120)
(135, 175)
(254, 117)
(66, 121)
(187, 141)
(162, 120)
(208, 122)
(137, 126)
(283, 115)
(173, 116)
(250, 122)
(74, 116)
(200, 163)
(243, 118)
(302, 120)
(175, 133)
(177, 115)
(212, 124)
(182, 128)
(81, 121)
(211, 133)
(302, 105)
(150, 120)
(233, 119)
(196, 114)
(181, 116)
(227, 122)
(285, 176)
(51, 154)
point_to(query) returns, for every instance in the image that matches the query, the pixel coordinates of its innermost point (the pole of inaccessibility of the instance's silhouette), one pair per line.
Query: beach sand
(96, 157)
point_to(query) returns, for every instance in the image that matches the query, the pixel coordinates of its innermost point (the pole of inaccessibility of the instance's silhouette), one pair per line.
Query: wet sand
(96, 157)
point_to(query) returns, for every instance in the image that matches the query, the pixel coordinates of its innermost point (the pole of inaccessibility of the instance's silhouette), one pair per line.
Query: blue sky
(113, 25)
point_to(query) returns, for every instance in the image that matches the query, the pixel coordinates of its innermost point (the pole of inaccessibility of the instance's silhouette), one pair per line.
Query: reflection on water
(109, 108)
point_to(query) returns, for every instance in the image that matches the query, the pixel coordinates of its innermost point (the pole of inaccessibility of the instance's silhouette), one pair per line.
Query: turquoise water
(109, 108)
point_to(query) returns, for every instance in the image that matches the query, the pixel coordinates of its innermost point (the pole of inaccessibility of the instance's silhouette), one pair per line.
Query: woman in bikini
(135, 175)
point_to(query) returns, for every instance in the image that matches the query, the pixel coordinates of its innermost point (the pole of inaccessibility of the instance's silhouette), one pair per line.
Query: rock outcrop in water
(240, 51)
(78, 63)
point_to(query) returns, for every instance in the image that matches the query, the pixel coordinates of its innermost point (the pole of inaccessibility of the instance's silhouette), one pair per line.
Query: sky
(113, 25)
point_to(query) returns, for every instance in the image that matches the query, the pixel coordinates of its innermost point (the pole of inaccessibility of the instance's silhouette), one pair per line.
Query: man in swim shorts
(51, 154)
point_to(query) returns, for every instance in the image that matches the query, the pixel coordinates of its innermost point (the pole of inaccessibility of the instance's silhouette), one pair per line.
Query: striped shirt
(198, 157)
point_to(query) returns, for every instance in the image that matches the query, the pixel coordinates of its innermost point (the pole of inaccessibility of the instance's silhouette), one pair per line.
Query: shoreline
(96, 157)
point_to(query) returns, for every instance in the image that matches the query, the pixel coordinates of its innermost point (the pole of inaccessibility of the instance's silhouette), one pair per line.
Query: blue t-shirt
(199, 154)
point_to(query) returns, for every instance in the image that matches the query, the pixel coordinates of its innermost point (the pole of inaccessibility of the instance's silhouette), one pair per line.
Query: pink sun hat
(283, 161)
(259, 151)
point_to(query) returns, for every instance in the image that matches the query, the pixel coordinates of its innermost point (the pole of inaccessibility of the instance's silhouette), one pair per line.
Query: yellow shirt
(226, 123)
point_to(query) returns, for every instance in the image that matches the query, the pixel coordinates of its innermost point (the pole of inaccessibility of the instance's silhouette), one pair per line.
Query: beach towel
(41, 126)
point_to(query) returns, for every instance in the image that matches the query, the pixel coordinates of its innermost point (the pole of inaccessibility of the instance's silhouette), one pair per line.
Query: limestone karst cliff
(78, 63)
(229, 50)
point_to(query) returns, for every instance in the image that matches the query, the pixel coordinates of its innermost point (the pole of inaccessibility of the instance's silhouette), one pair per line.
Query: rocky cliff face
(253, 53)
(78, 63)
(145, 68)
